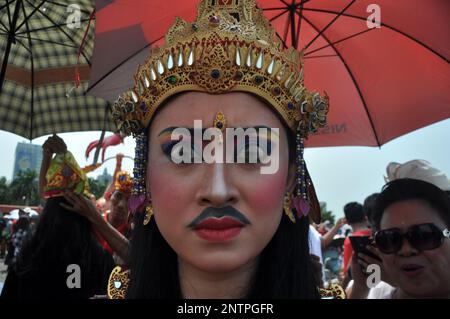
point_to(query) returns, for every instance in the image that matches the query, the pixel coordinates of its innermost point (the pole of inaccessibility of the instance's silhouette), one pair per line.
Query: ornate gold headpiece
(123, 182)
(230, 47)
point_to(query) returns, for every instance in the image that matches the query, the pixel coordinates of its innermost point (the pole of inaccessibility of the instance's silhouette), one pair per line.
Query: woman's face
(181, 192)
(417, 273)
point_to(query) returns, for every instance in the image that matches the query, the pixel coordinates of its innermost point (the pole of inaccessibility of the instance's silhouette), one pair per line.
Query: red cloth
(348, 249)
(121, 229)
(375, 95)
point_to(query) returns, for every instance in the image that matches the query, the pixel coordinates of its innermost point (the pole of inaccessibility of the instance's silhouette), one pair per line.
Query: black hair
(354, 213)
(61, 238)
(368, 207)
(407, 189)
(22, 223)
(284, 266)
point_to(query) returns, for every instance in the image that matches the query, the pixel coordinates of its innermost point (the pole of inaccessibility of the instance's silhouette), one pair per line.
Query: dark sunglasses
(421, 237)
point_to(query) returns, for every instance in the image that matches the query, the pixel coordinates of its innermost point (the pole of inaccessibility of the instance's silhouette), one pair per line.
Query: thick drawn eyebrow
(191, 130)
(172, 128)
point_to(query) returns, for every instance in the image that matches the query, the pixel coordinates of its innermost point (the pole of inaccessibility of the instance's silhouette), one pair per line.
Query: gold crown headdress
(230, 47)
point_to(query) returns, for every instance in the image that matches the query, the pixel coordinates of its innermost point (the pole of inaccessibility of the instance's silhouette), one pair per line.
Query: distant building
(105, 177)
(28, 157)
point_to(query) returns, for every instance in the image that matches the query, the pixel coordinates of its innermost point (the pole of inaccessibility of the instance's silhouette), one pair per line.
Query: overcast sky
(340, 174)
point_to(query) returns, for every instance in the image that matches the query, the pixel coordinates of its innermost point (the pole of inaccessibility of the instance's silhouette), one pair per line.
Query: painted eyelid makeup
(246, 145)
(165, 138)
(167, 144)
(268, 139)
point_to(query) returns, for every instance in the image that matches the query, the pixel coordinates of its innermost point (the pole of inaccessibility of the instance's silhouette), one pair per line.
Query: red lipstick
(219, 229)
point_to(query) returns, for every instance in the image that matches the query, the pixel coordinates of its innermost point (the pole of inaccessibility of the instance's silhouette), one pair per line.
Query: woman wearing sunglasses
(412, 221)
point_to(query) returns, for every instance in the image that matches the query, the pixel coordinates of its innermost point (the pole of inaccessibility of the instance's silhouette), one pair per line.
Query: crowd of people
(39, 253)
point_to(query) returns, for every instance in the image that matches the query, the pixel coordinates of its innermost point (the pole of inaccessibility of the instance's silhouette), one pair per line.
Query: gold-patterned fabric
(335, 291)
(118, 283)
(63, 175)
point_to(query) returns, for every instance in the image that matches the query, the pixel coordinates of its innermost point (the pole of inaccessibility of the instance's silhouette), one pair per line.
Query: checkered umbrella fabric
(50, 42)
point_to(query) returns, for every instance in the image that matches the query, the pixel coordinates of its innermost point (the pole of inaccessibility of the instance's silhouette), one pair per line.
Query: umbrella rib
(25, 17)
(329, 24)
(6, 5)
(121, 63)
(49, 41)
(286, 29)
(9, 14)
(352, 77)
(32, 73)
(281, 39)
(321, 56)
(292, 21)
(278, 15)
(10, 39)
(297, 35)
(52, 26)
(65, 6)
(339, 41)
(273, 9)
(4, 26)
(384, 25)
(7, 9)
(277, 34)
(64, 32)
(23, 44)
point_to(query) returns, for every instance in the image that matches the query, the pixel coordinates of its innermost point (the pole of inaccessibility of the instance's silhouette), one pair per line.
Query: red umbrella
(383, 82)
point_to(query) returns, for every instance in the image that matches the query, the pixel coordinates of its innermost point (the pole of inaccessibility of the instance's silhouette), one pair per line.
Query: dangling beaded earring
(287, 206)
(138, 193)
(300, 200)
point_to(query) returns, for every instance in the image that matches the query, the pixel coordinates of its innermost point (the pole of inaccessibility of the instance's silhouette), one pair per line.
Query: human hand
(374, 250)
(81, 205)
(54, 144)
(364, 260)
(358, 274)
(341, 222)
(119, 157)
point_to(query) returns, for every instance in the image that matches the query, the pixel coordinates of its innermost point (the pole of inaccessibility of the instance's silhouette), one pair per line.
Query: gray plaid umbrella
(40, 45)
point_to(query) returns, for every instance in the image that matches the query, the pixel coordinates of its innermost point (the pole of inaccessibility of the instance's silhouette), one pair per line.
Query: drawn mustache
(214, 212)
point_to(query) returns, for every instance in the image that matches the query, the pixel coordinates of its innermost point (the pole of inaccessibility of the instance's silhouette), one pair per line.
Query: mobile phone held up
(359, 244)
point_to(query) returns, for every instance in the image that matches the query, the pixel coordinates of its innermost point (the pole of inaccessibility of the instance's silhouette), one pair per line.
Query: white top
(381, 291)
(315, 247)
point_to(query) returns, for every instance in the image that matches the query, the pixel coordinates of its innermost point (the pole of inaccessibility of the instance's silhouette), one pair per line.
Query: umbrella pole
(102, 136)
(292, 18)
(10, 41)
(99, 146)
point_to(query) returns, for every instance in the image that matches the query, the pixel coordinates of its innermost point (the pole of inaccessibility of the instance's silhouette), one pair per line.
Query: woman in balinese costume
(216, 228)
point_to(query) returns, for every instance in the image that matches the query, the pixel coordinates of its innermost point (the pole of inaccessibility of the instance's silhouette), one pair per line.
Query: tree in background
(4, 191)
(24, 189)
(97, 187)
(326, 214)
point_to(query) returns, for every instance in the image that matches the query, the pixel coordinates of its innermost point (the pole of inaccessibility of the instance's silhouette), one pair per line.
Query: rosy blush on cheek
(265, 197)
(164, 190)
